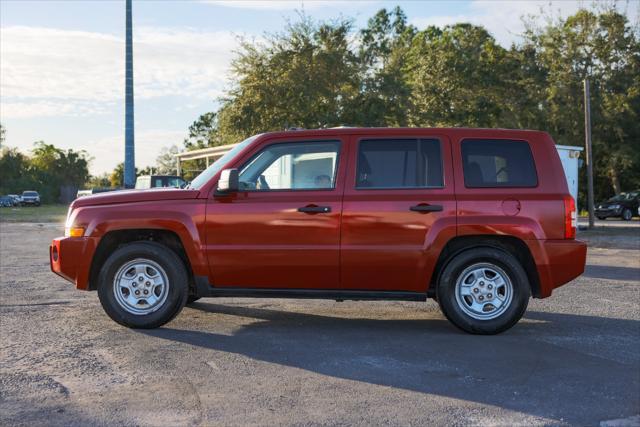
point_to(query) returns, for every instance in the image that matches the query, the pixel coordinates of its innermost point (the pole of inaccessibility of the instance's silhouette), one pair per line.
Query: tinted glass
(399, 163)
(498, 163)
(292, 166)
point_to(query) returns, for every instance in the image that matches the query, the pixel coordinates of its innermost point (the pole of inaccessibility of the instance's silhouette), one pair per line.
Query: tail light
(570, 218)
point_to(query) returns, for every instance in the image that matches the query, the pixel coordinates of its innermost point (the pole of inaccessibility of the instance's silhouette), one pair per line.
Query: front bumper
(607, 213)
(70, 258)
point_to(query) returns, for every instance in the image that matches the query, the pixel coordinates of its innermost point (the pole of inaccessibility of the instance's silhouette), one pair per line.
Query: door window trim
(499, 187)
(398, 138)
(253, 156)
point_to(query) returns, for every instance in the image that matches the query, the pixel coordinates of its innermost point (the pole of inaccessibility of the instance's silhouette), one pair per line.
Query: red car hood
(128, 196)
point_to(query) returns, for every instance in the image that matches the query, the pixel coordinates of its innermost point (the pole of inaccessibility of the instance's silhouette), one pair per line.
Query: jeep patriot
(478, 219)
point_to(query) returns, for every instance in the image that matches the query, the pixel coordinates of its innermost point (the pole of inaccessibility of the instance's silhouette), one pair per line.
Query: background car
(6, 202)
(17, 200)
(624, 205)
(30, 198)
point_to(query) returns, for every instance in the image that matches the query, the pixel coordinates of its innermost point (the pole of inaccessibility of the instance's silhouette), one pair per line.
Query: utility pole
(589, 156)
(129, 151)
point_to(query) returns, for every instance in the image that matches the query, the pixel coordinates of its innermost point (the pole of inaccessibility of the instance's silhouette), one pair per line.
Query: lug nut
(148, 283)
(146, 292)
(490, 286)
(481, 283)
(137, 292)
(489, 296)
(134, 284)
(476, 290)
(481, 298)
(140, 279)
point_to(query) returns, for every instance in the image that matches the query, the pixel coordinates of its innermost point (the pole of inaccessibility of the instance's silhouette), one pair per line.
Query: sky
(62, 62)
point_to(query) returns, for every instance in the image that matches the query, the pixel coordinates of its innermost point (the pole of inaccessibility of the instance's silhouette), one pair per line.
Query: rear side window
(498, 163)
(399, 163)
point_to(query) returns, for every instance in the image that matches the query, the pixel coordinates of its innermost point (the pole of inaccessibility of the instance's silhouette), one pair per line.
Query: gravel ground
(573, 360)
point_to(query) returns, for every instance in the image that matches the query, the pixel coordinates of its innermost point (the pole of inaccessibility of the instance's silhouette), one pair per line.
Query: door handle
(311, 209)
(426, 208)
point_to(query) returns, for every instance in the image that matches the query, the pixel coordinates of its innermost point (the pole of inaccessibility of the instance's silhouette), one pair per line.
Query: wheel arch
(509, 244)
(114, 239)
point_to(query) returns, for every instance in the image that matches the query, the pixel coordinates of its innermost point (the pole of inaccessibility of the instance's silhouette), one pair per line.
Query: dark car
(6, 202)
(624, 205)
(30, 198)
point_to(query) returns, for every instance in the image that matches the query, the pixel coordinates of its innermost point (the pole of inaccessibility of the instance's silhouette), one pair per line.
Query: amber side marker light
(74, 232)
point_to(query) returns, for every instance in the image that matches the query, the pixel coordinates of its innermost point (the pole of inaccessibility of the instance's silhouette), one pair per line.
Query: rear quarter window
(495, 163)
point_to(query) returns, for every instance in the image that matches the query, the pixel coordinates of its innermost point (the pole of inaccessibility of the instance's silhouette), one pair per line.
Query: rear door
(398, 205)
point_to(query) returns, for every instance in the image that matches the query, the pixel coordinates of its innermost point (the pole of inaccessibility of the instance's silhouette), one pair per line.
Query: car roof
(450, 131)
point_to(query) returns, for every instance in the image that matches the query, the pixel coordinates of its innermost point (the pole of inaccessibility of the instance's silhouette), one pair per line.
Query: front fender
(182, 217)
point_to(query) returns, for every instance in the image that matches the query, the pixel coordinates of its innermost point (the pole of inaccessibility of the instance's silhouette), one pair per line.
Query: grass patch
(43, 213)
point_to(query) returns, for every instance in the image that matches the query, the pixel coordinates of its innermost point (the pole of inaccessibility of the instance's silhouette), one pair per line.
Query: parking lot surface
(573, 360)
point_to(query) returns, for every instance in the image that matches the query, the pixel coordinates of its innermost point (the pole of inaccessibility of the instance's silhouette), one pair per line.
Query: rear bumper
(70, 258)
(558, 262)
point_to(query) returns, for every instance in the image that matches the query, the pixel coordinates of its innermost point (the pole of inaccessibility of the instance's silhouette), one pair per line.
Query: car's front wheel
(483, 290)
(143, 285)
(627, 215)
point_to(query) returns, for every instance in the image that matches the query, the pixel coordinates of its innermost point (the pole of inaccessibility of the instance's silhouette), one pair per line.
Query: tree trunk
(615, 181)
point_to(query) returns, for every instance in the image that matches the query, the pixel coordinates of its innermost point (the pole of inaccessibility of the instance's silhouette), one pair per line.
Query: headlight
(615, 206)
(74, 231)
(70, 230)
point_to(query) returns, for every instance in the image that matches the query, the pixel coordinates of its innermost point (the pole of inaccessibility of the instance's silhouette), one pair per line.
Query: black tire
(627, 214)
(446, 290)
(602, 218)
(177, 292)
(191, 299)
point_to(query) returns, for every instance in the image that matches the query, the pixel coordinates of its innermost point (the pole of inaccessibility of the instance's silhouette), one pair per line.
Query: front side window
(399, 163)
(498, 163)
(292, 166)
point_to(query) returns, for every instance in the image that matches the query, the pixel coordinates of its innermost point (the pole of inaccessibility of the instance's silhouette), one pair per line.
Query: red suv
(478, 219)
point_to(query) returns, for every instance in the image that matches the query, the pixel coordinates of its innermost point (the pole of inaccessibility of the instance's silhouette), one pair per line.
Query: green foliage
(323, 74)
(606, 49)
(55, 173)
(307, 76)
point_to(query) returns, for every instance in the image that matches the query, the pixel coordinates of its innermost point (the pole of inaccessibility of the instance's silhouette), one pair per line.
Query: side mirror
(229, 181)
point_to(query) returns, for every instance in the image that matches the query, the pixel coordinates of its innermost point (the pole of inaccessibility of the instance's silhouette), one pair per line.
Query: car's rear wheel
(627, 215)
(483, 290)
(143, 285)
(602, 218)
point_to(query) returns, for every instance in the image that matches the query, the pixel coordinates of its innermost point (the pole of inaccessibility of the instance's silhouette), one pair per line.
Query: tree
(605, 48)
(59, 173)
(117, 176)
(16, 174)
(166, 161)
(455, 75)
(203, 133)
(99, 181)
(385, 94)
(307, 76)
(3, 131)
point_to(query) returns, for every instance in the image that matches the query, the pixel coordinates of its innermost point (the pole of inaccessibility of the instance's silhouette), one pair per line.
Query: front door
(399, 198)
(282, 230)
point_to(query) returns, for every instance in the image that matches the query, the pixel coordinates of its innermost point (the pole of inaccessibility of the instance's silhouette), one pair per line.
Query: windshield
(208, 173)
(29, 193)
(623, 196)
